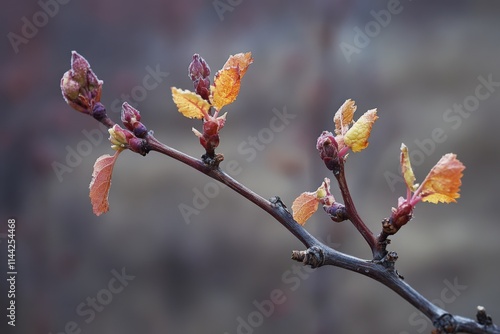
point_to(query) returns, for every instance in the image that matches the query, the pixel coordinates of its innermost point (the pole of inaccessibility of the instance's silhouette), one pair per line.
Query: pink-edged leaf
(101, 182)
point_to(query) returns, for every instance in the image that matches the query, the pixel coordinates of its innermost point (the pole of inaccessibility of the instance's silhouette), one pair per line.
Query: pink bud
(198, 68)
(79, 67)
(399, 218)
(337, 212)
(129, 116)
(202, 87)
(80, 86)
(328, 150)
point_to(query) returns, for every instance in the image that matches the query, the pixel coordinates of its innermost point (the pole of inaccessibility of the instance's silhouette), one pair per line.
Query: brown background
(199, 277)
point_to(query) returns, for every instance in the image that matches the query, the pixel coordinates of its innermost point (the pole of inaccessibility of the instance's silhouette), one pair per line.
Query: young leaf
(226, 87)
(241, 60)
(304, 206)
(190, 104)
(406, 169)
(101, 182)
(443, 182)
(343, 116)
(357, 136)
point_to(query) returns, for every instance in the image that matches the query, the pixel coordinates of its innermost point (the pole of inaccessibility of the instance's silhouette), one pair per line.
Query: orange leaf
(343, 116)
(241, 60)
(406, 169)
(190, 104)
(304, 206)
(226, 87)
(357, 136)
(443, 182)
(101, 182)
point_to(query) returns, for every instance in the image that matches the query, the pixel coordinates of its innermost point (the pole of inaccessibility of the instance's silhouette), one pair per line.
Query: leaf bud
(337, 212)
(80, 86)
(198, 68)
(328, 150)
(119, 137)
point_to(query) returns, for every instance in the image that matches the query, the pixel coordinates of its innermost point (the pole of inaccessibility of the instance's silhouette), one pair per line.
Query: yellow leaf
(357, 136)
(343, 116)
(443, 182)
(304, 206)
(241, 60)
(226, 87)
(406, 169)
(190, 104)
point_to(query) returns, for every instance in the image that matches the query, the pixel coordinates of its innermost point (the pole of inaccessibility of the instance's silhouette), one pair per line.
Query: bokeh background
(200, 277)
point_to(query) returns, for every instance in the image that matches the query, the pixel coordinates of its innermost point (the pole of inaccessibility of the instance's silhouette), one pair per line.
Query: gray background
(199, 277)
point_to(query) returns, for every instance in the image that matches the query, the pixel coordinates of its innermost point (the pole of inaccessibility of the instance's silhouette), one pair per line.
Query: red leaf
(101, 182)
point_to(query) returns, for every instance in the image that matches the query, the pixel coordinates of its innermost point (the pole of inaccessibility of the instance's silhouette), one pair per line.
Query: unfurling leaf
(241, 60)
(343, 116)
(226, 87)
(101, 182)
(304, 206)
(190, 104)
(406, 169)
(357, 136)
(443, 182)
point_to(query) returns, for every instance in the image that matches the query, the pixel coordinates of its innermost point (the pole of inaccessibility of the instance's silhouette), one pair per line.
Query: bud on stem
(80, 86)
(328, 151)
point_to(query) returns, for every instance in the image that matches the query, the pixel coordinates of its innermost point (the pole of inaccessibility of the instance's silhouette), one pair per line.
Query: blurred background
(211, 271)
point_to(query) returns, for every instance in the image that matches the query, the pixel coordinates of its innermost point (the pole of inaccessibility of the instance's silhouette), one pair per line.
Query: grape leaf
(101, 182)
(443, 182)
(406, 169)
(190, 104)
(357, 136)
(240, 60)
(343, 116)
(226, 87)
(304, 206)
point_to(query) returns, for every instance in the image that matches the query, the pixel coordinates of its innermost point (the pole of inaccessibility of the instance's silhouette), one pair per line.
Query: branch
(318, 254)
(354, 216)
(274, 207)
(82, 91)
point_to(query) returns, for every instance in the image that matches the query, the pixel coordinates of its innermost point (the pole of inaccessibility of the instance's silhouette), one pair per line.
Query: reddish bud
(337, 212)
(210, 128)
(138, 145)
(80, 86)
(131, 120)
(399, 217)
(202, 87)
(328, 150)
(198, 68)
(129, 116)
